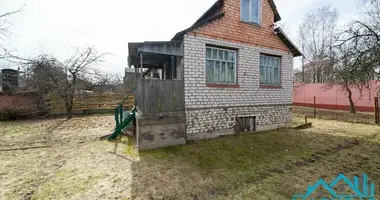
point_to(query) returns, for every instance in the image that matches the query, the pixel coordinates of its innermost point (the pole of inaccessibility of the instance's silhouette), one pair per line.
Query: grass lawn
(270, 165)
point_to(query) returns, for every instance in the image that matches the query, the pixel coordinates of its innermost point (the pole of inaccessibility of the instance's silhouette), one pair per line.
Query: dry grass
(344, 116)
(271, 165)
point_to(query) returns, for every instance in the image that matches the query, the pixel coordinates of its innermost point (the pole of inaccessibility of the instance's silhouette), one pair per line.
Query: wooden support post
(141, 64)
(305, 119)
(136, 74)
(315, 107)
(375, 110)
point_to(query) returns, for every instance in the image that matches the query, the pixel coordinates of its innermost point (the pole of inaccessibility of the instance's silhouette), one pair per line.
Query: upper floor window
(250, 11)
(270, 70)
(220, 65)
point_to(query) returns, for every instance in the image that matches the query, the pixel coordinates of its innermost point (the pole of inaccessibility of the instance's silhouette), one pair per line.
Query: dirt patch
(270, 165)
(77, 166)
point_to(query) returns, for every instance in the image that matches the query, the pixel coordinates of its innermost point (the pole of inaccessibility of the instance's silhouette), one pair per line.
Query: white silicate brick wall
(209, 109)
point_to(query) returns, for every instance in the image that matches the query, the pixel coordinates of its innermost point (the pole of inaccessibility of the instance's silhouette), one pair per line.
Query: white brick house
(236, 68)
(212, 109)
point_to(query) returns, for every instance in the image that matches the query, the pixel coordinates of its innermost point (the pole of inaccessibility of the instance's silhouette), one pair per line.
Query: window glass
(270, 70)
(220, 65)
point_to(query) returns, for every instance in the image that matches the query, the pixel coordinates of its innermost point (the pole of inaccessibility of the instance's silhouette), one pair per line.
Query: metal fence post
(315, 107)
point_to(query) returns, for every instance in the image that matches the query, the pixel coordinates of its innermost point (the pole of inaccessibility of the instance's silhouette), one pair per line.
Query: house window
(220, 65)
(269, 70)
(250, 11)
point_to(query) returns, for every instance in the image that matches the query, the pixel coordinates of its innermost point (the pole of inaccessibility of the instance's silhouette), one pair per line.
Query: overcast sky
(54, 26)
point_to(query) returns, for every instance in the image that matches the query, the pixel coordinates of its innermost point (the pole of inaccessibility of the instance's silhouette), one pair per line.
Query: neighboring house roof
(216, 12)
(322, 63)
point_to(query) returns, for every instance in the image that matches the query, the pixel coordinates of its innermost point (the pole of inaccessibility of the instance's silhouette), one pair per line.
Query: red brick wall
(335, 98)
(11, 102)
(17, 106)
(229, 27)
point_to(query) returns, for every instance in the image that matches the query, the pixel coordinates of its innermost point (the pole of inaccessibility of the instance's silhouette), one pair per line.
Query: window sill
(252, 23)
(222, 85)
(271, 86)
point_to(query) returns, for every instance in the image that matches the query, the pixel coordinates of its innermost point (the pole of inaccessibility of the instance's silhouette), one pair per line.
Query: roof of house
(293, 48)
(216, 12)
(213, 13)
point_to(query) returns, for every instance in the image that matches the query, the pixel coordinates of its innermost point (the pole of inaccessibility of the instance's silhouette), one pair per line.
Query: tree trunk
(69, 112)
(352, 105)
(69, 108)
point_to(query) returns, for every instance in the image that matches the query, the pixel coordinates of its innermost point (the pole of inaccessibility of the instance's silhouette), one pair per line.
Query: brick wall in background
(202, 102)
(17, 106)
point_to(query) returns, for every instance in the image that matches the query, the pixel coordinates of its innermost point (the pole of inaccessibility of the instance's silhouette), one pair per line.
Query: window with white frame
(250, 11)
(270, 69)
(220, 65)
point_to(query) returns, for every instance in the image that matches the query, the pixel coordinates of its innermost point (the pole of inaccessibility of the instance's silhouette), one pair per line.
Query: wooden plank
(150, 97)
(172, 100)
(157, 96)
(166, 106)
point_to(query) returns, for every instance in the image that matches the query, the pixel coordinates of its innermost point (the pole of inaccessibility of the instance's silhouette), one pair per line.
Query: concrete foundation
(160, 131)
(224, 132)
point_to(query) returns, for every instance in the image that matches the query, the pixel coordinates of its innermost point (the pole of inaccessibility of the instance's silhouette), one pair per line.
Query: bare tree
(348, 74)
(315, 35)
(67, 78)
(4, 28)
(364, 35)
(356, 53)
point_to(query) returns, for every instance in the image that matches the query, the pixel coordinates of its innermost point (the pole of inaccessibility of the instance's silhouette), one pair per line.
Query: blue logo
(362, 190)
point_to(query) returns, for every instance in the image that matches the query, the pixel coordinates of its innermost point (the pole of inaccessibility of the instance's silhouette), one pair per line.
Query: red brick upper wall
(229, 27)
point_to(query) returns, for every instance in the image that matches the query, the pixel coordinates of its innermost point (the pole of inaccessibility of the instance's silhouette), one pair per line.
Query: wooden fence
(160, 96)
(91, 103)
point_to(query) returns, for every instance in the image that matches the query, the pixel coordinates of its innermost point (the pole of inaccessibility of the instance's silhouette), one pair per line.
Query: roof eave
(293, 48)
(277, 16)
(179, 35)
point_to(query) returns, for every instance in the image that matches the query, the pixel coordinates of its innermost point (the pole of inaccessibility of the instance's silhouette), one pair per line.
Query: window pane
(232, 56)
(210, 71)
(220, 65)
(261, 60)
(265, 61)
(255, 11)
(220, 55)
(208, 53)
(217, 72)
(245, 10)
(276, 77)
(231, 72)
(270, 61)
(270, 70)
(214, 53)
(262, 75)
(223, 73)
(268, 81)
(272, 75)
